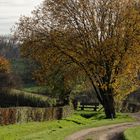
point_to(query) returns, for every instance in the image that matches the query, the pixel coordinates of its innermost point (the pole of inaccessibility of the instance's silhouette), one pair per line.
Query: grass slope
(29, 94)
(36, 89)
(57, 130)
(16, 97)
(132, 133)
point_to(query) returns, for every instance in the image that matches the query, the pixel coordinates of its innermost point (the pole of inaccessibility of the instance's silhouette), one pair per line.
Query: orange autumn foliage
(4, 65)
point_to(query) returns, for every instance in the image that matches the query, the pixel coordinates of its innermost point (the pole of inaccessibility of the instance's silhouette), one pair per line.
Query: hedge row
(28, 114)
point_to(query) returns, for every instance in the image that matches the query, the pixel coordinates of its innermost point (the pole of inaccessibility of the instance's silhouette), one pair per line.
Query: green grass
(20, 92)
(36, 89)
(45, 100)
(132, 133)
(16, 97)
(58, 130)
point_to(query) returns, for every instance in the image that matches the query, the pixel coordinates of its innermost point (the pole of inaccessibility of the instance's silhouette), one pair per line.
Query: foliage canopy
(96, 37)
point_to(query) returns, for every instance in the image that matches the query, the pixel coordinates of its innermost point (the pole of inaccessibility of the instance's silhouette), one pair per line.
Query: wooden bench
(95, 106)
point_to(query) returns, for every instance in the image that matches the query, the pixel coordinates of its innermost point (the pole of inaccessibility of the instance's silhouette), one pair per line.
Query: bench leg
(95, 108)
(82, 108)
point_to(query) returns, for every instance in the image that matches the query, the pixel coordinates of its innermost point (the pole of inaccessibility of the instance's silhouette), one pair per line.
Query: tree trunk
(109, 109)
(108, 103)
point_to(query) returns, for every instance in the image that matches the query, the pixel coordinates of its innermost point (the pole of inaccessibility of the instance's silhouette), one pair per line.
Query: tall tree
(99, 36)
(4, 74)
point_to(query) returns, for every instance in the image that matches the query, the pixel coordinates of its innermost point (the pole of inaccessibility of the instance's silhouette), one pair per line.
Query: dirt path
(111, 132)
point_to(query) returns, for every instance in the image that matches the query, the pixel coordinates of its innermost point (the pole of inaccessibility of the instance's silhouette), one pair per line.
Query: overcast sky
(11, 10)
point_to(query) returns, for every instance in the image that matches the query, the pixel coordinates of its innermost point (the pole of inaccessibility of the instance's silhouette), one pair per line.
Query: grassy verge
(20, 92)
(132, 133)
(35, 89)
(58, 130)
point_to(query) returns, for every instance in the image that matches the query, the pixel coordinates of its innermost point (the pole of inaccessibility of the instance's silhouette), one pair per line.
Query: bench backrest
(93, 104)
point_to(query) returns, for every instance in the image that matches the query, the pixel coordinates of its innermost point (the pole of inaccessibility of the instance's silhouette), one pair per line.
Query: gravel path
(111, 132)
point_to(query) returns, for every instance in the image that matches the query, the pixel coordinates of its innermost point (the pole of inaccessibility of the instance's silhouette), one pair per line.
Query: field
(35, 89)
(58, 130)
(132, 133)
(16, 97)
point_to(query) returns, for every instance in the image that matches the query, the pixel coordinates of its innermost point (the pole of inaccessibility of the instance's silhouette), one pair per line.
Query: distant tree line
(9, 48)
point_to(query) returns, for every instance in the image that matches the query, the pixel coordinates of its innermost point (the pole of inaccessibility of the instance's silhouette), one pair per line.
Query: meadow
(58, 129)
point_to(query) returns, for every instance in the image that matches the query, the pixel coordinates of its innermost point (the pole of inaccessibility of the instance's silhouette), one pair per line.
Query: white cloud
(11, 10)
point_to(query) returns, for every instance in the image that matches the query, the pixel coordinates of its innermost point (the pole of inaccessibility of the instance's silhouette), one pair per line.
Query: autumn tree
(60, 79)
(4, 74)
(100, 37)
